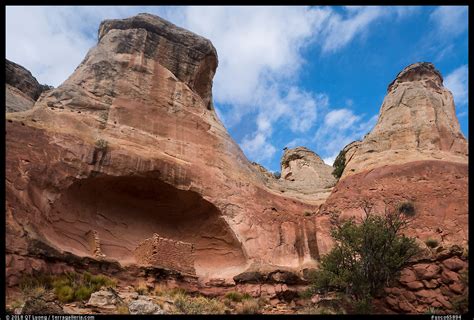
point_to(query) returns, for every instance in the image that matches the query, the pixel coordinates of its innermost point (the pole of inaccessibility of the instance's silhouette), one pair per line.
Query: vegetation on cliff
(367, 256)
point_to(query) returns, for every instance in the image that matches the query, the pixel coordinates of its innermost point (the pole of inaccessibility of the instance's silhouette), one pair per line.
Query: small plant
(461, 303)
(234, 296)
(277, 175)
(250, 306)
(432, 243)
(407, 208)
(141, 288)
(246, 296)
(305, 294)
(364, 305)
(65, 293)
(82, 293)
(339, 164)
(316, 310)
(101, 144)
(308, 213)
(198, 305)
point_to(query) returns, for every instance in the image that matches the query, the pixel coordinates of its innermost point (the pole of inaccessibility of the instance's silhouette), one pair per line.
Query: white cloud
(450, 21)
(259, 49)
(457, 83)
(340, 31)
(340, 118)
(335, 133)
(41, 46)
(258, 147)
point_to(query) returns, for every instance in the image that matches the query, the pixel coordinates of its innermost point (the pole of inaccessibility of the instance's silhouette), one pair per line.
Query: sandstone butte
(127, 157)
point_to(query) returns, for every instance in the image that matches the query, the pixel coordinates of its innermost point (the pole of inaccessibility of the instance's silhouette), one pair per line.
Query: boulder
(106, 298)
(144, 306)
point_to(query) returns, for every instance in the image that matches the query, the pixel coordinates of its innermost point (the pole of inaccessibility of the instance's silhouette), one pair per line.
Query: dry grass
(141, 287)
(198, 305)
(123, 309)
(249, 306)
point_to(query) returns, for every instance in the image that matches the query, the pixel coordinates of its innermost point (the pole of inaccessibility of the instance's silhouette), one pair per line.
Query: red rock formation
(130, 145)
(21, 88)
(417, 154)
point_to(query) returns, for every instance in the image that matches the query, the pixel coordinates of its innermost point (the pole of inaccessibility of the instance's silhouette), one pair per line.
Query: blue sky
(287, 76)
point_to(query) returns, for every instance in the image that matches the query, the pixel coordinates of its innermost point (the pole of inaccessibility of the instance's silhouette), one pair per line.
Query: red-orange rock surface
(417, 154)
(128, 146)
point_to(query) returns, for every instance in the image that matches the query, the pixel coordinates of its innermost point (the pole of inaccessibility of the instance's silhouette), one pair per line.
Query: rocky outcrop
(129, 145)
(416, 153)
(144, 305)
(304, 172)
(417, 121)
(21, 88)
(304, 176)
(435, 282)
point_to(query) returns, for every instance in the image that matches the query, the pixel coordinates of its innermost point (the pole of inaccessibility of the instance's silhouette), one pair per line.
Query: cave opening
(111, 216)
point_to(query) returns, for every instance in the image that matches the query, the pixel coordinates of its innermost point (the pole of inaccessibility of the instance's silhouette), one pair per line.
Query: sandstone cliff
(417, 156)
(417, 121)
(21, 88)
(129, 146)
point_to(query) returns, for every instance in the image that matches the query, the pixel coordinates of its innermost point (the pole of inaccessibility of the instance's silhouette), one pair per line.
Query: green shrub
(407, 208)
(246, 296)
(366, 256)
(65, 293)
(432, 243)
(305, 294)
(234, 296)
(101, 144)
(363, 306)
(277, 175)
(308, 213)
(461, 303)
(82, 293)
(339, 164)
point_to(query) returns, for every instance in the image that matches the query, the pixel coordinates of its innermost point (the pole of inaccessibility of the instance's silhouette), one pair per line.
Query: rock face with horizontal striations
(129, 146)
(21, 88)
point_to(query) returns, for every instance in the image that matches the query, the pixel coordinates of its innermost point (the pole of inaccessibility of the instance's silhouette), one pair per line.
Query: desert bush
(82, 293)
(366, 257)
(277, 175)
(234, 296)
(69, 286)
(101, 144)
(246, 296)
(316, 310)
(432, 243)
(198, 305)
(407, 208)
(339, 164)
(141, 287)
(250, 306)
(461, 303)
(64, 293)
(305, 294)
